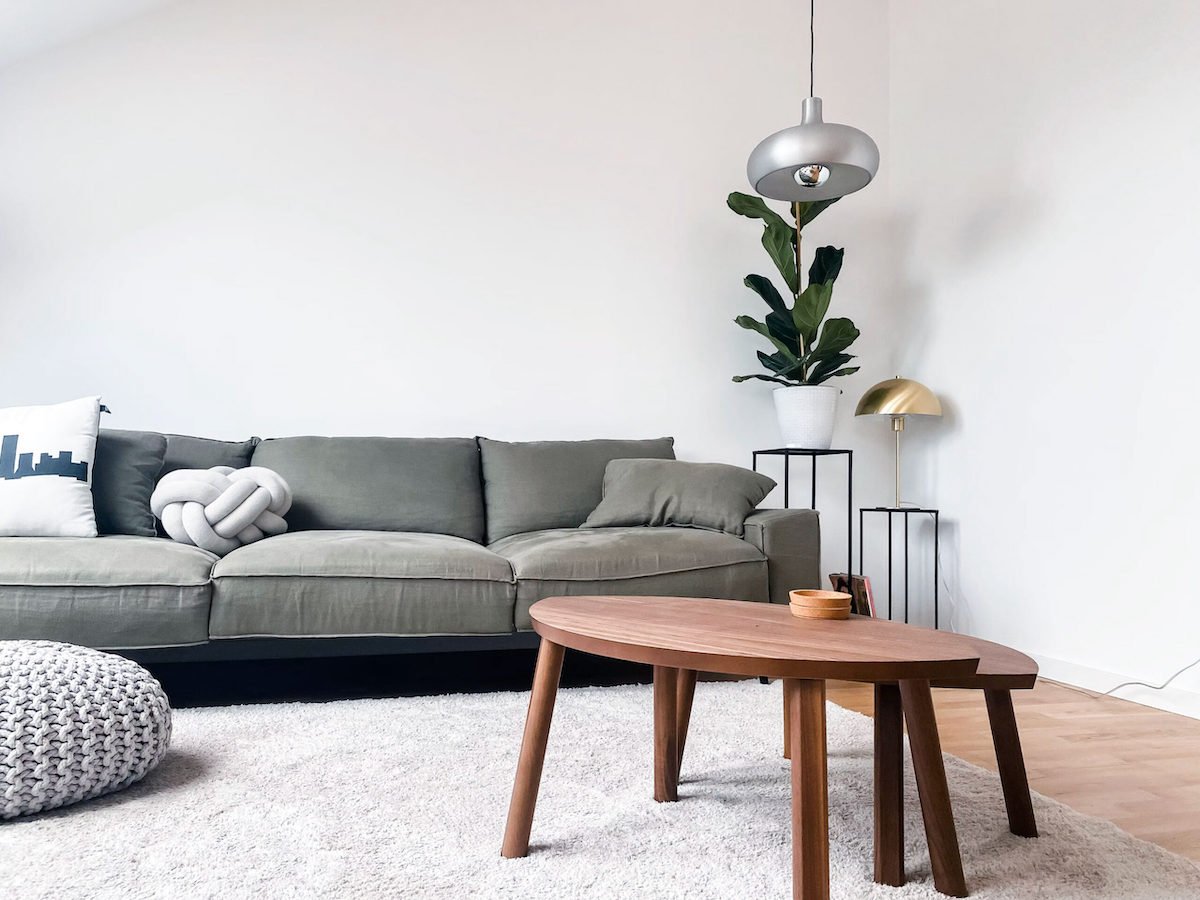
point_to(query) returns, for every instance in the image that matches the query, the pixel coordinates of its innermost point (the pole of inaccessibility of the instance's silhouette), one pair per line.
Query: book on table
(862, 599)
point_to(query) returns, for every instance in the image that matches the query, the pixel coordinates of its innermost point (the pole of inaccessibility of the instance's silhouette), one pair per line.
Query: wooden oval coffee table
(679, 634)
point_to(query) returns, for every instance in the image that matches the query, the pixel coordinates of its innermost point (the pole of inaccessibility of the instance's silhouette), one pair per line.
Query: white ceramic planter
(805, 414)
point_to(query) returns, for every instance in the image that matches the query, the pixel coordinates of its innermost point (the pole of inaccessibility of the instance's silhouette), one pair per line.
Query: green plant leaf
(827, 263)
(781, 326)
(754, 208)
(818, 358)
(780, 243)
(836, 336)
(779, 320)
(810, 309)
(773, 361)
(740, 378)
(809, 211)
(827, 366)
(760, 327)
(763, 287)
(825, 378)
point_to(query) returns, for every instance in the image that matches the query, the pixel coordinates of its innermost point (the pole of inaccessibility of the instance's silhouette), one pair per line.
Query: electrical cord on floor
(1093, 694)
(1153, 687)
(1096, 695)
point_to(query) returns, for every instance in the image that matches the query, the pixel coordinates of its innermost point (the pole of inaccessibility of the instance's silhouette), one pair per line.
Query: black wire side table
(787, 453)
(905, 512)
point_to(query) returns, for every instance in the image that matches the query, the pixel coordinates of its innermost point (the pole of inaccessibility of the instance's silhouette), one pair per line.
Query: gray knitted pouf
(74, 723)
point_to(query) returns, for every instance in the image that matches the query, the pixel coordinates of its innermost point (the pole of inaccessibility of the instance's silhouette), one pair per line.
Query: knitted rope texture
(74, 723)
(221, 508)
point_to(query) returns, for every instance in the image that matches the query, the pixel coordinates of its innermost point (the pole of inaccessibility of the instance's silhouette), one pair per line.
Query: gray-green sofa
(395, 545)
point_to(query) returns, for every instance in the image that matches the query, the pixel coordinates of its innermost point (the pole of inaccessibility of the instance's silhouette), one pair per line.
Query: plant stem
(799, 287)
(796, 213)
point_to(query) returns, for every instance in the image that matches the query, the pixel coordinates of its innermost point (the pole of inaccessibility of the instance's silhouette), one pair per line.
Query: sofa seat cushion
(114, 593)
(360, 583)
(678, 562)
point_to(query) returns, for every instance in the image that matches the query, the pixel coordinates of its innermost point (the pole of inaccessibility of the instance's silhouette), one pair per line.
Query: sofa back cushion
(126, 470)
(185, 452)
(535, 485)
(428, 485)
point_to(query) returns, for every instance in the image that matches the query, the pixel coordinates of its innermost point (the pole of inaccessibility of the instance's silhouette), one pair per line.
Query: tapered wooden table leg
(787, 718)
(533, 750)
(684, 695)
(810, 789)
(930, 770)
(889, 786)
(666, 745)
(1011, 763)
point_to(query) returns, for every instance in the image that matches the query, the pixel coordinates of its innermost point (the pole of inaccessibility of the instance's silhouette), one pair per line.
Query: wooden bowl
(820, 599)
(809, 612)
(820, 604)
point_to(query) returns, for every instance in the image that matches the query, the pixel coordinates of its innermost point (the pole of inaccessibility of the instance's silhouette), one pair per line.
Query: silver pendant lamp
(815, 160)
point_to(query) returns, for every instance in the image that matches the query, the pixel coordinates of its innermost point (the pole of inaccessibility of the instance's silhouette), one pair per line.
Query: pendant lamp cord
(812, 43)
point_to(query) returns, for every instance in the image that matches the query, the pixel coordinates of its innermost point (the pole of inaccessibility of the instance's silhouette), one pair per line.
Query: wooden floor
(1135, 766)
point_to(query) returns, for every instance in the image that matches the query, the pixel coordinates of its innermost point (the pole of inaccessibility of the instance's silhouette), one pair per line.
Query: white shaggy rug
(407, 798)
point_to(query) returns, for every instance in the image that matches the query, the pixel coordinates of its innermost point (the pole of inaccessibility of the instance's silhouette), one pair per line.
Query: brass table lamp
(899, 397)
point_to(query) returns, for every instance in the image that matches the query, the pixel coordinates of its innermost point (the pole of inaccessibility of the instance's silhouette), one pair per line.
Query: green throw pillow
(127, 466)
(668, 492)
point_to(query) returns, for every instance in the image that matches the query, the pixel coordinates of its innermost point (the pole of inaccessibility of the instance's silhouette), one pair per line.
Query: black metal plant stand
(787, 453)
(904, 511)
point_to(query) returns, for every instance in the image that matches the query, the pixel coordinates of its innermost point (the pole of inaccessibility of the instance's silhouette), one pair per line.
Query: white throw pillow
(222, 508)
(46, 457)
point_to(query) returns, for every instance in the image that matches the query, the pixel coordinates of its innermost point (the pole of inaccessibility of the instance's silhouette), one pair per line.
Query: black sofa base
(309, 648)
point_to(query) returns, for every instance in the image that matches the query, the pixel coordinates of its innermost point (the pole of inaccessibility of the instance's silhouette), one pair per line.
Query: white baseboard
(1172, 699)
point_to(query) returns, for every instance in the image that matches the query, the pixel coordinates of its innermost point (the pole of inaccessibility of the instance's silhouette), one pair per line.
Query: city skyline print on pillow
(46, 459)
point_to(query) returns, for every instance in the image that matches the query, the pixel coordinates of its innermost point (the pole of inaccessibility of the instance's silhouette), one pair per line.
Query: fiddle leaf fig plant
(809, 349)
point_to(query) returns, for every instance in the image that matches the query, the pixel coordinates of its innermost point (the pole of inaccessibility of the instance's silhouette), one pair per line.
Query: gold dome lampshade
(898, 397)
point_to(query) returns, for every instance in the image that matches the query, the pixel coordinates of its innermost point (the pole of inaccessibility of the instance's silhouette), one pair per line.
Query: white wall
(276, 217)
(411, 218)
(30, 26)
(1046, 229)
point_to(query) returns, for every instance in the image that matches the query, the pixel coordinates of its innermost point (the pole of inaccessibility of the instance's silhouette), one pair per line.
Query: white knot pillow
(221, 508)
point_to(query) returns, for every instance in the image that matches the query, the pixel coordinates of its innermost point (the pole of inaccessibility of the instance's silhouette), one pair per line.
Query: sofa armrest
(791, 541)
